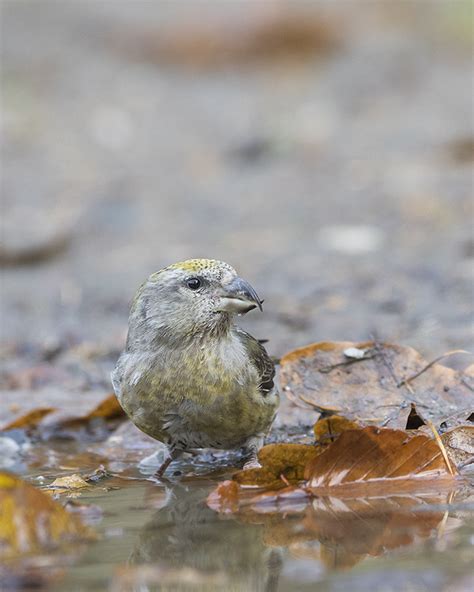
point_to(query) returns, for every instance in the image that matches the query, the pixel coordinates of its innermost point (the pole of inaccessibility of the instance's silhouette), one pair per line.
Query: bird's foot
(173, 455)
(250, 450)
(159, 473)
(252, 463)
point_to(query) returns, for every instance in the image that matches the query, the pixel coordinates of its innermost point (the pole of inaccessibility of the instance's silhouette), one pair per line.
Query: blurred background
(324, 149)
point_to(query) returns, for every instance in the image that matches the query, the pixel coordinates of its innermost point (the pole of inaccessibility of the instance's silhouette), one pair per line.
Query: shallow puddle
(172, 531)
(155, 536)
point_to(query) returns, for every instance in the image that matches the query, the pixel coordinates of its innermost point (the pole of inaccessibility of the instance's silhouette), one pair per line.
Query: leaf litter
(355, 470)
(107, 413)
(365, 484)
(377, 388)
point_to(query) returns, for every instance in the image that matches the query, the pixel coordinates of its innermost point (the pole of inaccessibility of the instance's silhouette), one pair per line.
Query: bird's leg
(251, 448)
(173, 455)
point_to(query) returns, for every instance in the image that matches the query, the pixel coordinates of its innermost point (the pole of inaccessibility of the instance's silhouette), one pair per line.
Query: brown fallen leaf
(108, 409)
(266, 36)
(378, 461)
(281, 463)
(30, 420)
(97, 423)
(327, 429)
(102, 417)
(378, 388)
(31, 522)
(459, 444)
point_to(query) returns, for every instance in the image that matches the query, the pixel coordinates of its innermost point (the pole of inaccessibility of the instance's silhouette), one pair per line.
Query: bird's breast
(209, 396)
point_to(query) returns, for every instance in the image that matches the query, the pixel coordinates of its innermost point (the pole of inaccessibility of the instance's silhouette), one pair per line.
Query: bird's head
(190, 297)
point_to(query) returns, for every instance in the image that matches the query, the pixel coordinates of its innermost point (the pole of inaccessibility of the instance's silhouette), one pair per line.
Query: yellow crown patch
(197, 265)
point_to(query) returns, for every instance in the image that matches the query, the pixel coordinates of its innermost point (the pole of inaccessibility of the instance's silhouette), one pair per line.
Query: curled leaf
(29, 420)
(30, 521)
(108, 409)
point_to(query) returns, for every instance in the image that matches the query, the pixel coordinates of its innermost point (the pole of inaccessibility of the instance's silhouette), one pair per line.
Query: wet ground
(186, 535)
(163, 536)
(329, 161)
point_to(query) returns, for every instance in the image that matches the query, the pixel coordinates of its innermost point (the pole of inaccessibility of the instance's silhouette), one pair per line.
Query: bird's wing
(260, 359)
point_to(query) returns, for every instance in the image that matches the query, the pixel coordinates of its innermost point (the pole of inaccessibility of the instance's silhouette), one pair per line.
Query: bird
(189, 376)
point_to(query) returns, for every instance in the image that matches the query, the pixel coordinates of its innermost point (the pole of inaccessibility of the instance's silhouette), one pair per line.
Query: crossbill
(189, 377)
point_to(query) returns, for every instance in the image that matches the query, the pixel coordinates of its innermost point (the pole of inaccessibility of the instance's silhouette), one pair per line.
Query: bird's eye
(193, 283)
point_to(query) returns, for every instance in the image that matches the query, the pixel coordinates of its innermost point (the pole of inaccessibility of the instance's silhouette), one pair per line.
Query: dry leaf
(30, 521)
(108, 409)
(76, 482)
(378, 461)
(326, 429)
(277, 460)
(459, 443)
(29, 420)
(69, 482)
(372, 389)
(263, 37)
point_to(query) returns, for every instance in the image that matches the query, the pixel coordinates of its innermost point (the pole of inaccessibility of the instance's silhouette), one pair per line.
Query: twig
(327, 369)
(296, 401)
(387, 363)
(405, 381)
(441, 447)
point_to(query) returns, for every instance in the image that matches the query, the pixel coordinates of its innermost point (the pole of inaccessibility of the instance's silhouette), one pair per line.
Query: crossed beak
(238, 297)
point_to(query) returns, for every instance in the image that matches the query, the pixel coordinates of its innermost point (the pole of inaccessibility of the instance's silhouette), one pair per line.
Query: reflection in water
(186, 535)
(192, 547)
(347, 531)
